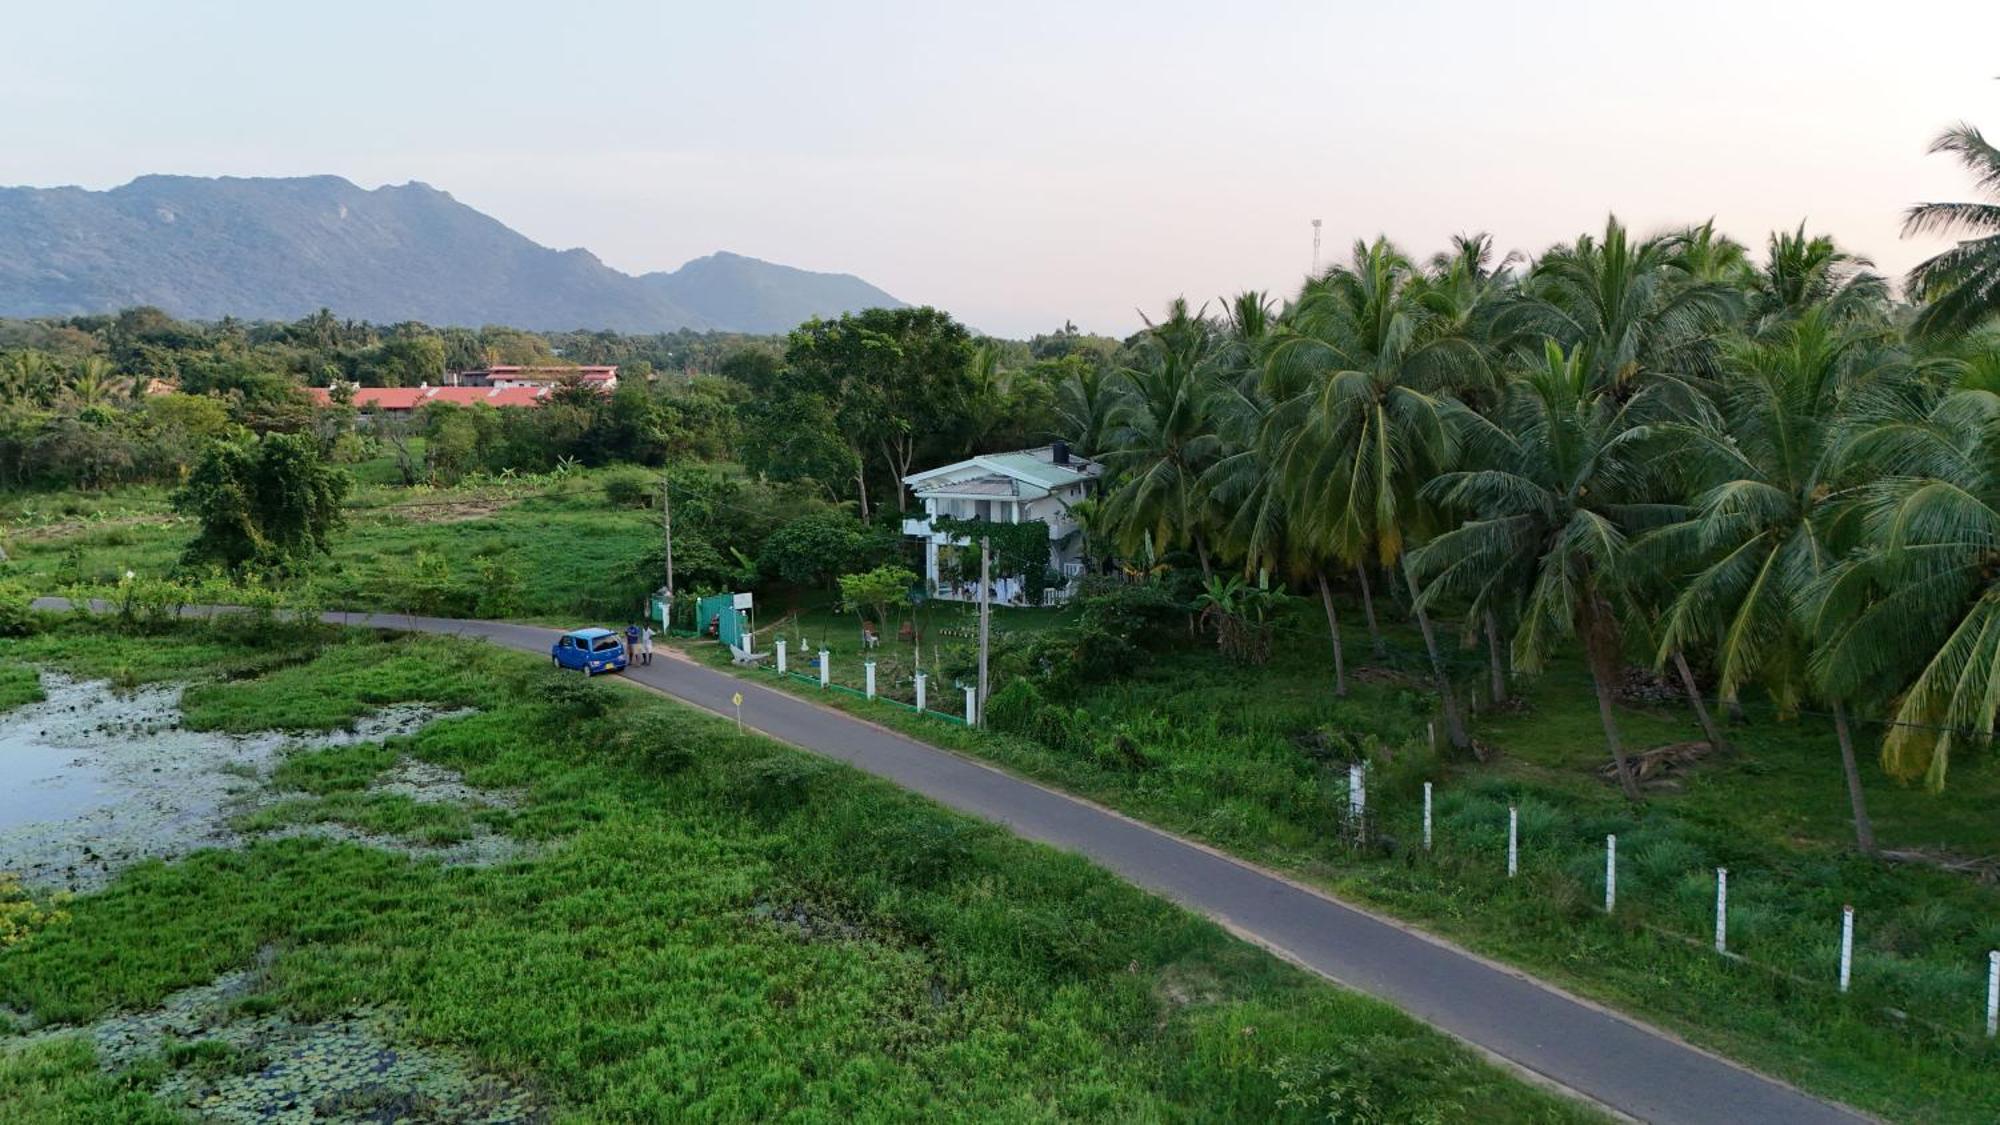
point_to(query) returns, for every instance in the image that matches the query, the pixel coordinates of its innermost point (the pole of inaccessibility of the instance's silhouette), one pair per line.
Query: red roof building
(403, 400)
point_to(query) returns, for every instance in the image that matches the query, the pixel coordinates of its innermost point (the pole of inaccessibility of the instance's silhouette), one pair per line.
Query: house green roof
(1038, 470)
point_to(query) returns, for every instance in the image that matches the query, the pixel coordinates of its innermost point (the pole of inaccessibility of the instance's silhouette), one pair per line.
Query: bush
(775, 784)
(1014, 708)
(17, 619)
(658, 744)
(630, 490)
(570, 697)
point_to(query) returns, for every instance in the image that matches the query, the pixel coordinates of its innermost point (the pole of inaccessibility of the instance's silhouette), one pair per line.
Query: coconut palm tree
(1917, 606)
(1758, 538)
(1634, 312)
(1564, 484)
(1802, 273)
(1379, 363)
(1961, 286)
(89, 382)
(1163, 437)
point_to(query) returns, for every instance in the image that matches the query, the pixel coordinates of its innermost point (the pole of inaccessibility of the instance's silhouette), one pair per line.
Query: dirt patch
(229, 1059)
(458, 509)
(1661, 767)
(63, 529)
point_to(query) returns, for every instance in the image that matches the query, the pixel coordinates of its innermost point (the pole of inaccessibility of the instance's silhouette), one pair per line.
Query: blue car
(589, 651)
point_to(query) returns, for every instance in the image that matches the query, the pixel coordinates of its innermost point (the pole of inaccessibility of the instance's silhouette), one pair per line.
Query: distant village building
(1028, 484)
(602, 376)
(404, 400)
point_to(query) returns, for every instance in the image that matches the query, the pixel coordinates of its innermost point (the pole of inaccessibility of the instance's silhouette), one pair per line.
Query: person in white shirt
(645, 644)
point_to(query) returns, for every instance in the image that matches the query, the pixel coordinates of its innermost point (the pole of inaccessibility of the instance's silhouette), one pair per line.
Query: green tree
(1163, 438)
(1560, 488)
(895, 381)
(1375, 360)
(1744, 562)
(267, 502)
(1961, 286)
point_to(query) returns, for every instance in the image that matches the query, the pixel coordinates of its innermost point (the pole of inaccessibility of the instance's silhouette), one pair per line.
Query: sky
(1026, 164)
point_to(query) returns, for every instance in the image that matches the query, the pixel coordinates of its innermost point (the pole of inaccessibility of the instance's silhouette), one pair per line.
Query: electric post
(985, 621)
(667, 529)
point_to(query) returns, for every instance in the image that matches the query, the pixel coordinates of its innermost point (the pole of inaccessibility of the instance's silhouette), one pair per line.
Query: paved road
(1609, 1059)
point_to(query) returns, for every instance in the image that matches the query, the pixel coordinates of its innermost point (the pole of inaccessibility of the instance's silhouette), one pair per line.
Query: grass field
(541, 550)
(1254, 760)
(706, 926)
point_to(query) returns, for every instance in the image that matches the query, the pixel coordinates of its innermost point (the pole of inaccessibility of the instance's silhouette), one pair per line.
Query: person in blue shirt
(632, 642)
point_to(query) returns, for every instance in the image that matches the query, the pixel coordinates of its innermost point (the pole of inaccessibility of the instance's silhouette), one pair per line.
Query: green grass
(1254, 760)
(717, 928)
(570, 553)
(20, 685)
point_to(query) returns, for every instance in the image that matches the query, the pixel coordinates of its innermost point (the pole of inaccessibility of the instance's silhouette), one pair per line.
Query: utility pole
(985, 621)
(667, 528)
(1315, 271)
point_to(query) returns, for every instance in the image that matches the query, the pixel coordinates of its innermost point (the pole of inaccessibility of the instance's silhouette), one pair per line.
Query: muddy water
(93, 780)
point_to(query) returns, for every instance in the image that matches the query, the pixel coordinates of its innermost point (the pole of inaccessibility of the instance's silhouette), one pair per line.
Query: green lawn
(709, 927)
(1254, 760)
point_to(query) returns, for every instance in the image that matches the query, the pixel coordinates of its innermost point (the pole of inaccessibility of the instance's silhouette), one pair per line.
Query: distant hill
(750, 295)
(283, 248)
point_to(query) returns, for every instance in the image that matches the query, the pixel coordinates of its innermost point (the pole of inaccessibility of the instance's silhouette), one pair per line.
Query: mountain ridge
(280, 248)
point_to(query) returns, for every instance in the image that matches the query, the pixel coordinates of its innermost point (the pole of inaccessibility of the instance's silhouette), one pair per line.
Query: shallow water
(93, 780)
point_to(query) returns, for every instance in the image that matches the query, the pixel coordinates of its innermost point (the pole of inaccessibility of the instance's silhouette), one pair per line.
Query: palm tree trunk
(1864, 829)
(1368, 610)
(1454, 722)
(1708, 728)
(1201, 553)
(1601, 650)
(1333, 628)
(1496, 669)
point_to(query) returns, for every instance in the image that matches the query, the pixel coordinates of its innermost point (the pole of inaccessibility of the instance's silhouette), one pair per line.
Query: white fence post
(1722, 910)
(868, 677)
(1357, 792)
(971, 707)
(1427, 816)
(920, 691)
(1846, 945)
(1993, 993)
(1610, 872)
(1513, 841)
(825, 667)
(781, 656)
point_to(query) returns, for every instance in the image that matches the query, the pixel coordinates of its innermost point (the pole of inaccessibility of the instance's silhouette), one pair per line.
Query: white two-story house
(1029, 484)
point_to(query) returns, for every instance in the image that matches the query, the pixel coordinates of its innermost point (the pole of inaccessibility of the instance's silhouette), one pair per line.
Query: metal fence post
(920, 691)
(781, 656)
(1427, 816)
(825, 667)
(868, 677)
(971, 707)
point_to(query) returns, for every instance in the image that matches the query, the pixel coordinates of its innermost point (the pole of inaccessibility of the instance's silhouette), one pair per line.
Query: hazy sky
(1023, 163)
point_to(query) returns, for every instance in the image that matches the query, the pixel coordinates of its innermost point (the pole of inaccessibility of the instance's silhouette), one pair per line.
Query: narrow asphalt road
(1622, 1065)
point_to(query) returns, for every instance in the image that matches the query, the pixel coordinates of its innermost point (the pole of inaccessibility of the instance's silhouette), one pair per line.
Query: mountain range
(280, 249)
